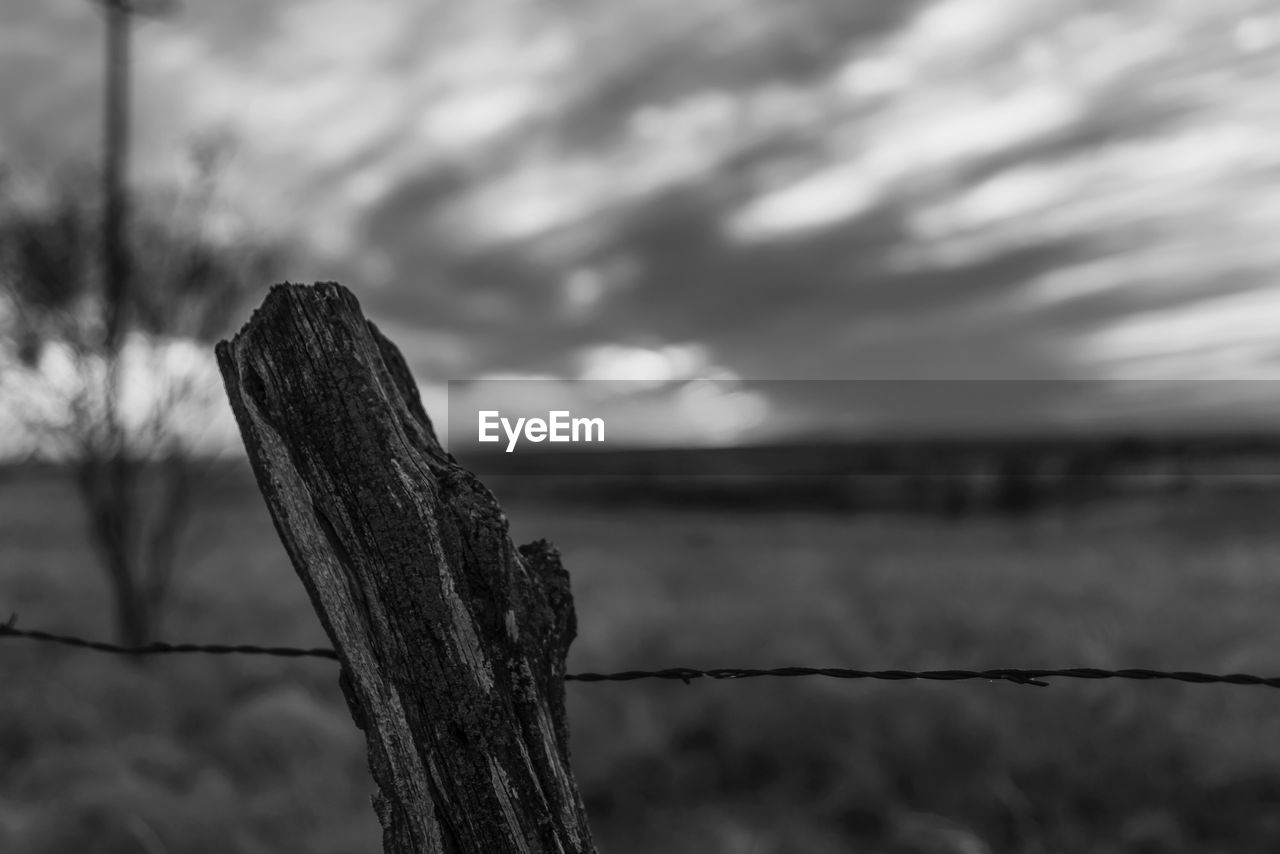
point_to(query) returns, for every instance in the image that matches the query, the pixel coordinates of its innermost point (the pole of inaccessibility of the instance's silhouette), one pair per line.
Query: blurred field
(243, 755)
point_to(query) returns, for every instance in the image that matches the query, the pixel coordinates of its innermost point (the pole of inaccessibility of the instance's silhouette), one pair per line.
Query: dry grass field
(241, 755)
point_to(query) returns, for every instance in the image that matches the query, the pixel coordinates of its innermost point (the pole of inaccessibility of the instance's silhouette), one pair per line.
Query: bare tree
(118, 405)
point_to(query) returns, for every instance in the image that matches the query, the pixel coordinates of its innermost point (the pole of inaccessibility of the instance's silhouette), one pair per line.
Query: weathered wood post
(452, 641)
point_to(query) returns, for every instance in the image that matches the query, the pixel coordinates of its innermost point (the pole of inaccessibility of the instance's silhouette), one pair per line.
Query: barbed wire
(160, 648)
(688, 674)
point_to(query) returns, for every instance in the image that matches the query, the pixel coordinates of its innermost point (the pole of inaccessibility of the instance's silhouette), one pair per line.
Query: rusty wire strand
(688, 674)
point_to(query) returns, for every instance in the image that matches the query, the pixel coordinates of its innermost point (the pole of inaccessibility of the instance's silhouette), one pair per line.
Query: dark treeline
(948, 477)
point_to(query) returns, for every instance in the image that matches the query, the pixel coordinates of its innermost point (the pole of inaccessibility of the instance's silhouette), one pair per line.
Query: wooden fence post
(452, 641)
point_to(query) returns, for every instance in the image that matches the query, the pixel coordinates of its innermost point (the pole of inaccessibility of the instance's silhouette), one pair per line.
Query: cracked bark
(452, 641)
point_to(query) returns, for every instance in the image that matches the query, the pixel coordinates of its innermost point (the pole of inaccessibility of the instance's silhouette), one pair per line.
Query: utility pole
(115, 156)
(116, 266)
(107, 472)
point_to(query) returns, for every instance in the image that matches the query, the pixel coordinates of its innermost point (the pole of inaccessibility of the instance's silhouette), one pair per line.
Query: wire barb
(687, 674)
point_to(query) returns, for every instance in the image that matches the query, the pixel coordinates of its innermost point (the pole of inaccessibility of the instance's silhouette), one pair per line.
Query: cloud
(1215, 338)
(170, 393)
(855, 189)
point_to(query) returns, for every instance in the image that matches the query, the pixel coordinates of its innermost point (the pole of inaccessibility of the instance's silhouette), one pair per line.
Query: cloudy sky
(741, 190)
